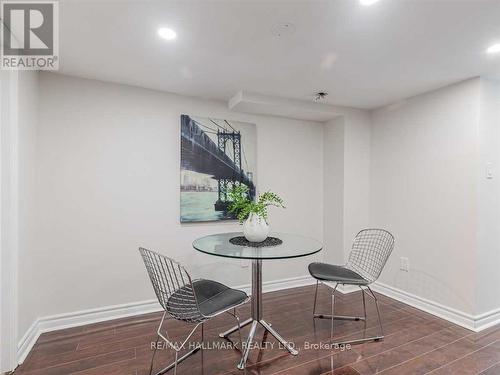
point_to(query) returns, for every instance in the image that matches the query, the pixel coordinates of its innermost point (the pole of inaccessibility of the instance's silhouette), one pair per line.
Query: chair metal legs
(315, 298)
(364, 302)
(225, 334)
(178, 348)
(178, 360)
(378, 312)
(239, 325)
(364, 309)
(334, 317)
(154, 354)
(333, 312)
(329, 316)
(175, 347)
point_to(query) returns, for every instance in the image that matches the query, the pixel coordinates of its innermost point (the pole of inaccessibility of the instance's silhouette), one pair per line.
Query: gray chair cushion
(340, 274)
(212, 297)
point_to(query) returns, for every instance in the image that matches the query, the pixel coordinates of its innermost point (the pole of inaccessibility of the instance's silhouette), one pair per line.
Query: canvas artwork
(215, 155)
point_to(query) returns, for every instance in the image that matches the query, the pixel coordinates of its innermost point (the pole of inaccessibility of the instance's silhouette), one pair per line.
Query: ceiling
(362, 56)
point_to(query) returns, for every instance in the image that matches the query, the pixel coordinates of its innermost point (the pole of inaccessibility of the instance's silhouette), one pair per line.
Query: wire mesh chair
(369, 254)
(191, 301)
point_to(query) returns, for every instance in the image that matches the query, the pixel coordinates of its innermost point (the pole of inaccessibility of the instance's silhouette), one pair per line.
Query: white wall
(424, 162)
(357, 136)
(18, 108)
(108, 182)
(8, 217)
(27, 119)
(333, 211)
(347, 182)
(488, 251)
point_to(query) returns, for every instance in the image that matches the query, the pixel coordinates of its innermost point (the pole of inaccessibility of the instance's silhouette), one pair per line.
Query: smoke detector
(320, 96)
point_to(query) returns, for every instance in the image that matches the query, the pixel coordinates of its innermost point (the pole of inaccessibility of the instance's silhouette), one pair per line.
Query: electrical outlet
(405, 264)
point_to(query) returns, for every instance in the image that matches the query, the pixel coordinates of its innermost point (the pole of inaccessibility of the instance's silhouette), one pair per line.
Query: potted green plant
(252, 213)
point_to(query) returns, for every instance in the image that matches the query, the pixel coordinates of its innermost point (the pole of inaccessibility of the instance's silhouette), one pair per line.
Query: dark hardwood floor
(415, 343)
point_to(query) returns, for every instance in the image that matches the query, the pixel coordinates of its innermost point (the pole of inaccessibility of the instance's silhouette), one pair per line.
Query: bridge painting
(215, 155)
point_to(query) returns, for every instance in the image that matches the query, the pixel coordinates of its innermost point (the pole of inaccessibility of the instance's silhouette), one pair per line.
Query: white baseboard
(473, 322)
(79, 318)
(271, 286)
(486, 320)
(344, 289)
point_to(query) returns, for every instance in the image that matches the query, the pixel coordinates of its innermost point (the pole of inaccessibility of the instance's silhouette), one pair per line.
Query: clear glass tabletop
(293, 246)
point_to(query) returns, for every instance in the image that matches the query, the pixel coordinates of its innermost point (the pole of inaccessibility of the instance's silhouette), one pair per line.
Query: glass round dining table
(292, 246)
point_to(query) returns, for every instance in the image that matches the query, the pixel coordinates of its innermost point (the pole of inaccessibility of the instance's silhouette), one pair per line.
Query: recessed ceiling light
(166, 33)
(368, 2)
(495, 48)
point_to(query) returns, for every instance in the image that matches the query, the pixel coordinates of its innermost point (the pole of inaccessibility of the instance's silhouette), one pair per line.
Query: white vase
(255, 228)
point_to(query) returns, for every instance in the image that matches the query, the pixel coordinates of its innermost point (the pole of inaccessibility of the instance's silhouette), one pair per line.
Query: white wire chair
(191, 301)
(369, 254)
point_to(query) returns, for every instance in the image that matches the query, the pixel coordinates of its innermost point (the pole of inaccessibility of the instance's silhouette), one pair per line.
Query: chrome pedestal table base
(292, 246)
(256, 318)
